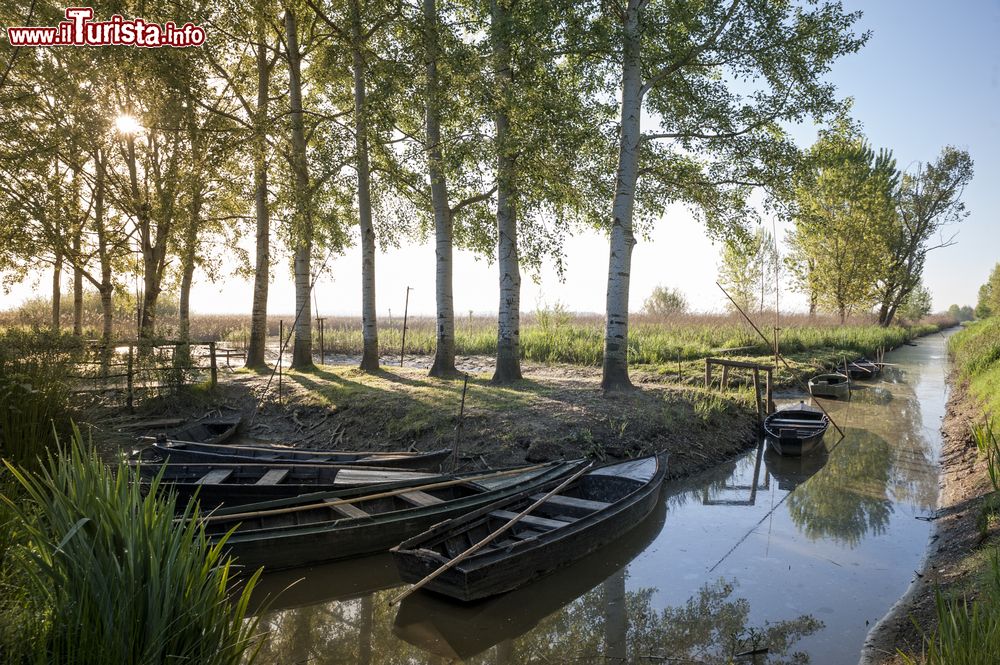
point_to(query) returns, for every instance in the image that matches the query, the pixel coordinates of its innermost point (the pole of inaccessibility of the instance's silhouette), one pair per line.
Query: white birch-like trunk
(56, 290)
(302, 233)
(262, 267)
(444, 352)
(369, 324)
(615, 371)
(508, 367)
(77, 284)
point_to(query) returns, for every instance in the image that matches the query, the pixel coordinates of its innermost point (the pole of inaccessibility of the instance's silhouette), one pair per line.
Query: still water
(763, 559)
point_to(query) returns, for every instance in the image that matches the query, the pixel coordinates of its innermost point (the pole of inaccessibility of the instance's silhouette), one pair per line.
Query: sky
(928, 77)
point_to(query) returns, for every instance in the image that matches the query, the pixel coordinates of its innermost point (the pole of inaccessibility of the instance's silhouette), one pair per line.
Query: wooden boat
(190, 451)
(215, 431)
(236, 484)
(830, 385)
(862, 368)
(795, 429)
(598, 508)
(460, 631)
(331, 526)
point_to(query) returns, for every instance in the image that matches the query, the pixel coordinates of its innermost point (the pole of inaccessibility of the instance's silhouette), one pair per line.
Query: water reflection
(745, 556)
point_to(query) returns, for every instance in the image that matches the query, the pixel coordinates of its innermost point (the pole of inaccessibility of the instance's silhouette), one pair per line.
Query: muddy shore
(953, 545)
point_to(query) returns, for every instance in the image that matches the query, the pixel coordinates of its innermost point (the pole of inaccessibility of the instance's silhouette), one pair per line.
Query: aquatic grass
(108, 575)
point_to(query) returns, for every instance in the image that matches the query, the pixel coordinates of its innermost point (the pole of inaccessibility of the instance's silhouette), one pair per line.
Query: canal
(762, 559)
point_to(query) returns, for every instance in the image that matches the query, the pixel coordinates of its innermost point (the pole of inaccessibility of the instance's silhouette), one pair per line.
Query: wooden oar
(486, 541)
(369, 497)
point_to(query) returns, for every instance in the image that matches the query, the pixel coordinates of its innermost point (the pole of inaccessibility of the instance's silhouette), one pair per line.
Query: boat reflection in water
(790, 472)
(452, 630)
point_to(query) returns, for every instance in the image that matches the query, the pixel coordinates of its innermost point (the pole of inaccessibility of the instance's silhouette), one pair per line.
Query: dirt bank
(557, 412)
(955, 544)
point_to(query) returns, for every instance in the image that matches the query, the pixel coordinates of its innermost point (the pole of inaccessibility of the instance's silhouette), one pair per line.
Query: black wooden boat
(795, 429)
(236, 484)
(215, 431)
(330, 526)
(830, 385)
(460, 631)
(598, 508)
(190, 451)
(862, 368)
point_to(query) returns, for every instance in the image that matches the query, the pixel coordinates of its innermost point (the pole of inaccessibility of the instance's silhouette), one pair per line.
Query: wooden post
(322, 349)
(128, 379)
(756, 392)
(458, 428)
(708, 373)
(406, 311)
(767, 389)
(281, 348)
(678, 365)
(213, 364)
(775, 348)
(725, 377)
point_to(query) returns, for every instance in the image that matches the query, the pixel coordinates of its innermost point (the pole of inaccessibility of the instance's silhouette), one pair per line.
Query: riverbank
(958, 556)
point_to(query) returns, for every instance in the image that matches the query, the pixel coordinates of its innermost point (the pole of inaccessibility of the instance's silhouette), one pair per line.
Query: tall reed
(106, 574)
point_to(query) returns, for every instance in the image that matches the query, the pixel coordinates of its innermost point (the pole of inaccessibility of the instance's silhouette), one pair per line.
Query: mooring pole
(406, 312)
(281, 337)
(458, 428)
(322, 350)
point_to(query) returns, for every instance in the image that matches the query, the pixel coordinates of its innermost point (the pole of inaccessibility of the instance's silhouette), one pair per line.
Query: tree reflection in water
(608, 624)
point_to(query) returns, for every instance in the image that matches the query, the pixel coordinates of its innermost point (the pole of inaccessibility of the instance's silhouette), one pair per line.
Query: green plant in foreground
(105, 574)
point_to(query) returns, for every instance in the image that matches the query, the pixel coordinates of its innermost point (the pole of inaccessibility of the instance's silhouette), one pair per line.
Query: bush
(107, 575)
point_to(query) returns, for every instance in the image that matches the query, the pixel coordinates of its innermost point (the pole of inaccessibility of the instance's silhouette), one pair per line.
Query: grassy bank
(967, 608)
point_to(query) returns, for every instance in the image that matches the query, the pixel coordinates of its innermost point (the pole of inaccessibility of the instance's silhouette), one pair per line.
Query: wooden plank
(272, 477)
(531, 520)
(347, 510)
(420, 498)
(573, 502)
(214, 477)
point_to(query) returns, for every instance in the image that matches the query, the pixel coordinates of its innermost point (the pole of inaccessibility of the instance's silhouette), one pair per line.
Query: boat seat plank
(530, 520)
(641, 470)
(793, 421)
(272, 477)
(214, 477)
(420, 498)
(372, 477)
(348, 510)
(572, 502)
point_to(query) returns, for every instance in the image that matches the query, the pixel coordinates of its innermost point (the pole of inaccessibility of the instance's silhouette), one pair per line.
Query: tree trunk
(369, 324)
(615, 373)
(444, 352)
(56, 290)
(77, 283)
(302, 233)
(106, 287)
(262, 269)
(187, 264)
(508, 367)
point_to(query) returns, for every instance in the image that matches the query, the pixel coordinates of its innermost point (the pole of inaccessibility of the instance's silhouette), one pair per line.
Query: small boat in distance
(596, 509)
(315, 528)
(830, 385)
(191, 451)
(795, 429)
(215, 431)
(862, 368)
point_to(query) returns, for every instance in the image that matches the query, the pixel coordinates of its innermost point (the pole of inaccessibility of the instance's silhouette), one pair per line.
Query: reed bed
(97, 572)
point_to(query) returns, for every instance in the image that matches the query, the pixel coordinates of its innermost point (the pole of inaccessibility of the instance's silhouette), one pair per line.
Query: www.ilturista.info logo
(79, 30)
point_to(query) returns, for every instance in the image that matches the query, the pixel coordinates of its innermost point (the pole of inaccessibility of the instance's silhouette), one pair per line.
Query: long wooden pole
(369, 497)
(406, 311)
(458, 427)
(486, 541)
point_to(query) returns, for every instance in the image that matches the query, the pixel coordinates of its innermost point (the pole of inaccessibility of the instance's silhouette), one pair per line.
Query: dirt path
(953, 545)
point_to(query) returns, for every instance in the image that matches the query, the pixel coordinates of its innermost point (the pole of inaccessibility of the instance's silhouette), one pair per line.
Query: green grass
(976, 351)
(96, 572)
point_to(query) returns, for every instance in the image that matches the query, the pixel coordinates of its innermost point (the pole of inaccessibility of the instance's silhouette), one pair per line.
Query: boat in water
(594, 510)
(796, 429)
(834, 385)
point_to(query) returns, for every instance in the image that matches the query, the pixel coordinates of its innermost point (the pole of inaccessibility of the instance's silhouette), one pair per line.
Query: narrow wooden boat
(190, 451)
(598, 508)
(830, 385)
(862, 368)
(323, 527)
(227, 484)
(215, 431)
(795, 429)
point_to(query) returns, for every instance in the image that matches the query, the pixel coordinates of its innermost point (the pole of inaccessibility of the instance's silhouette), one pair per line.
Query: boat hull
(503, 574)
(796, 430)
(830, 385)
(182, 451)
